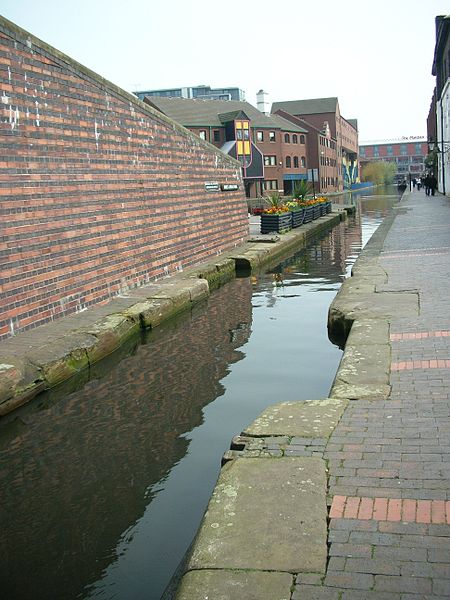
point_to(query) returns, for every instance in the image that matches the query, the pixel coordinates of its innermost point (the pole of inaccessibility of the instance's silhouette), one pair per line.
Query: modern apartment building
(201, 92)
(323, 113)
(409, 155)
(272, 150)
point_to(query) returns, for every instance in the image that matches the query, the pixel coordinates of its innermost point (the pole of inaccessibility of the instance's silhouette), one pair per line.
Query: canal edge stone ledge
(268, 510)
(360, 317)
(39, 359)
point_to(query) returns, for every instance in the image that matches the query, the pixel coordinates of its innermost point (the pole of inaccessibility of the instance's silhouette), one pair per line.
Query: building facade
(439, 122)
(321, 155)
(272, 150)
(408, 154)
(201, 92)
(321, 113)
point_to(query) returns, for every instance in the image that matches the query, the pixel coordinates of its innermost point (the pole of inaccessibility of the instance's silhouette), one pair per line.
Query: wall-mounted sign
(212, 186)
(228, 187)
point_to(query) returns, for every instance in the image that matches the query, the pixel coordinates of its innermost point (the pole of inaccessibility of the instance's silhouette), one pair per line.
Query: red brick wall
(98, 193)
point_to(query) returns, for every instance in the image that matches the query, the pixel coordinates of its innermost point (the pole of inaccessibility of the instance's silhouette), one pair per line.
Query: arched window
(288, 162)
(287, 138)
(296, 162)
(302, 139)
(294, 138)
(303, 161)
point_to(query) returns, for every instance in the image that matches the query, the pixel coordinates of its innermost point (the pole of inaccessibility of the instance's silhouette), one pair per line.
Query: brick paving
(389, 461)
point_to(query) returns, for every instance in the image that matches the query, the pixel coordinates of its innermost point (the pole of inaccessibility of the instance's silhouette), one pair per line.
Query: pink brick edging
(418, 335)
(407, 365)
(390, 509)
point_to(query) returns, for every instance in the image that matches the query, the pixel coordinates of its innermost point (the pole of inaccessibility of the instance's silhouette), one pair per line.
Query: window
(390, 150)
(418, 148)
(302, 139)
(303, 161)
(259, 136)
(362, 151)
(202, 134)
(294, 138)
(271, 136)
(270, 184)
(403, 149)
(270, 161)
(376, 151)
(295, 162)
(287, 138)
(216, 135)
(288, 162)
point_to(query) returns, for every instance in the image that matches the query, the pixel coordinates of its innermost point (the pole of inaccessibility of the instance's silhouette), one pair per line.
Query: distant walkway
(389, 461)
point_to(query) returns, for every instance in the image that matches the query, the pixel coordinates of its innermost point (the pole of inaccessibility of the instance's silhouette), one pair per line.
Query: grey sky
(375, 56)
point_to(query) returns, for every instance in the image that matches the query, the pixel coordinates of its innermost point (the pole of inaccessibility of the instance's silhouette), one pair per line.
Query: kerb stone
(310, 418)
(235, 585)
(266, 514)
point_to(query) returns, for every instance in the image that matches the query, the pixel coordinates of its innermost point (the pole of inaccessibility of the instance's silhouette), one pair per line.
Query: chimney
(262, 102)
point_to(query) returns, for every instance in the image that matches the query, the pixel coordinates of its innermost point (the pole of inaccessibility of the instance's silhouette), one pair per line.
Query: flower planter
(316, 211)
(297, 217)
(309, 214)
(323, 209)
(276, 223)
(328, 205)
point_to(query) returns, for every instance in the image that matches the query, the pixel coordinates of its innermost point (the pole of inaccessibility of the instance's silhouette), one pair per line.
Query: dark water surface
(102, 490)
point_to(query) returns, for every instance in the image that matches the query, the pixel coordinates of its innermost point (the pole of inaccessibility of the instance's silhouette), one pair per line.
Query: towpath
(389, 460)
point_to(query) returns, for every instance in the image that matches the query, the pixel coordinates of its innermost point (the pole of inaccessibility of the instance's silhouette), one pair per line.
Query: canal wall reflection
(79, 473)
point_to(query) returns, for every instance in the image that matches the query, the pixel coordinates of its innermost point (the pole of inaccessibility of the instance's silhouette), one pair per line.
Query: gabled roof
(211, 113)
(288, 125)
(315, 106)
(232, 116)
(282, 114)
(353, 123)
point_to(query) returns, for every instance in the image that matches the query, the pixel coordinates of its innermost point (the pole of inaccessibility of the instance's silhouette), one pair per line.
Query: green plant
(301, 190)
(274, 199)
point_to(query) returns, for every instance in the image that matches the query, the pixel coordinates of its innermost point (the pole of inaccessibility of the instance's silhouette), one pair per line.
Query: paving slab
(266, 514)
(368, 332)
(309, 418)
(235, 585)
(365, 364)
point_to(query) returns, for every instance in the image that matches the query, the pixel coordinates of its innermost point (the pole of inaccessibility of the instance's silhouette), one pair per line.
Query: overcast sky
(375, 56)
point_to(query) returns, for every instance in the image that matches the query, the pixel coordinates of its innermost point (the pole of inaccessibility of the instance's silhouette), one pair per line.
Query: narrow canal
(103, 487)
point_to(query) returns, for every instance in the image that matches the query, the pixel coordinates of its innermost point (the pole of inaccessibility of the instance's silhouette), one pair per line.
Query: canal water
(103, 487)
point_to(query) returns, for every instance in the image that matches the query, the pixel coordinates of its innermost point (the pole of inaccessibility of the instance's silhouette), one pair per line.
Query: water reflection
(80, 473)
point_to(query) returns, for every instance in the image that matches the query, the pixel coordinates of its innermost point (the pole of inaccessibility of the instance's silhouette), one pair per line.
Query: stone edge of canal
(266, 520)
(41, 359)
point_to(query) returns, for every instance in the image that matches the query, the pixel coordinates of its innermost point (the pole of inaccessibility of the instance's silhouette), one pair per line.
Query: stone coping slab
(308, 418)
(235, 585)
(266, 514)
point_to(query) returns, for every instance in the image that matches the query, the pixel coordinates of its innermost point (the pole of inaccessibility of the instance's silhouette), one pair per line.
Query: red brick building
(321, 155)
(407, 154)
(277, 147)
(324, 113)
(99, 193)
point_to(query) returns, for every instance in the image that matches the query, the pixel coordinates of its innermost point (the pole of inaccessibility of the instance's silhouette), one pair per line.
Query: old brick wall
(98, 193)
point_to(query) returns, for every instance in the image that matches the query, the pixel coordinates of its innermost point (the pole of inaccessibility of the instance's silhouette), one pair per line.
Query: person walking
(426, 183)
(433, 184)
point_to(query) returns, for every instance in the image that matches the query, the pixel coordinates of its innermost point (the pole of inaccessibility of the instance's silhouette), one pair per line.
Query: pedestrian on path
(426, 183)
(433, 184)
